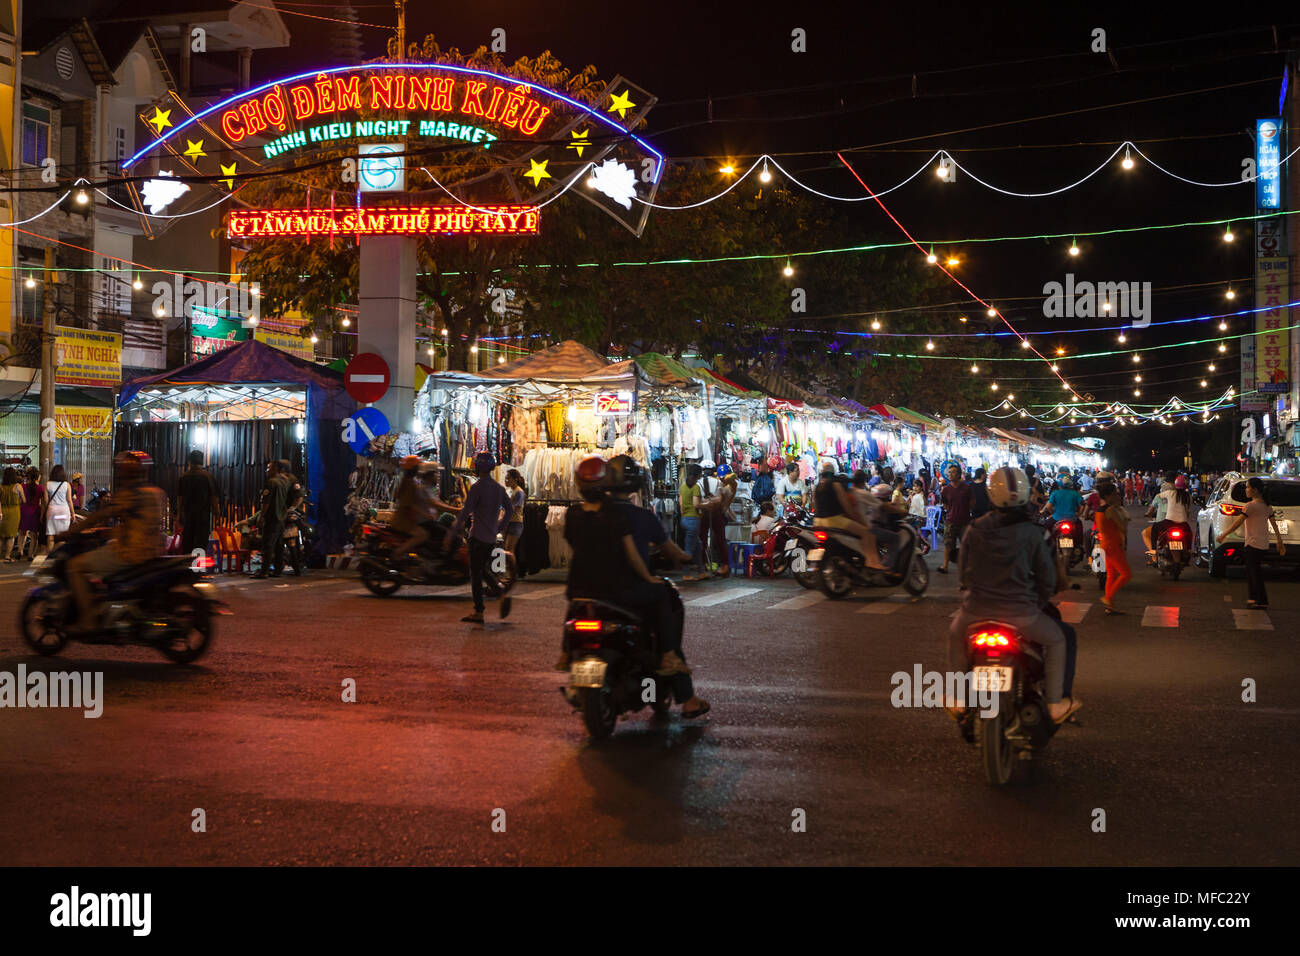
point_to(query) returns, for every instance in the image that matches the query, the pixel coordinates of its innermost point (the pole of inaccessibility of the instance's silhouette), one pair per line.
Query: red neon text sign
(383, 221)
(511, 107)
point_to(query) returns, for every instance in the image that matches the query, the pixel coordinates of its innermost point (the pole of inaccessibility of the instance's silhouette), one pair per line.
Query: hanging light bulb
(1137, 391)
(1055, 367)
(992, 312)
(929, 346)
(953, 262)
(430, 350)
(1223, 326)
(1060, 409)
(314, 340)
(1230, 294)
(962, 319)
(29, 282)
(1136, 358)
(473, 349)
(1122, 338)
(994, 386)
(1128, 160)
(1011, 398)
(1074, 248)
(727, 169)
(82, 197)
(1105, 306)
(1212, 366)
(1227, 234)
(501, 360)
(788, 270)
(875, 324)
(974, 369)
(346, 322)
(1223, 346)
(765, 176)
(1137, 378)
(932, 258)
(444, 333)
(137, 284)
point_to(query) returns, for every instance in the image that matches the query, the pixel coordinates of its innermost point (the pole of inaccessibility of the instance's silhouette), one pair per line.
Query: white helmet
(882, 491)
(1008, 488)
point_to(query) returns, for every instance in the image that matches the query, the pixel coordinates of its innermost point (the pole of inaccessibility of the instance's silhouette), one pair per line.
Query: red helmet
(592, 476)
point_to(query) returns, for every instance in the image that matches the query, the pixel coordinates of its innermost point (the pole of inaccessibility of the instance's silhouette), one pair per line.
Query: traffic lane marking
(1249, 619)
(1157, 615)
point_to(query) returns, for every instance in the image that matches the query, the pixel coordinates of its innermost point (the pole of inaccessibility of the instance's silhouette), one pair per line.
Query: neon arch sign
(478, 95)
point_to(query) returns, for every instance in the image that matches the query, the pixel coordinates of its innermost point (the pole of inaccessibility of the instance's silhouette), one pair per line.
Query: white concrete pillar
(387, 322)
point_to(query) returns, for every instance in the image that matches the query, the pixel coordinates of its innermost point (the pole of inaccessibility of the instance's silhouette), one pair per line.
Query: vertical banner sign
(1268, 154)
(1272, 338)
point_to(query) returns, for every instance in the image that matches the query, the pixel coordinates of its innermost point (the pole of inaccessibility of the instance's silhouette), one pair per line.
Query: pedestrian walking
(1112, 530)
(689, 497)
(29, 523)
(11, 503)
(957, 498)
(1258, 518)
(58, 505)
(274, 505)
(197, 490)
(518, 498)
(489, 505)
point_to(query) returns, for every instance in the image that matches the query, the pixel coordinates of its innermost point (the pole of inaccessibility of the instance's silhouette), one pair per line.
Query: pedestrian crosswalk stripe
(1072, 612)
(721, 597)
(1157, 616)
(807, 599)
(537, 593)
(1248, 619)
(887, 606)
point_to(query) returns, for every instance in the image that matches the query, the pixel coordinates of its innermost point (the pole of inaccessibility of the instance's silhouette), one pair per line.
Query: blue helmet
(724, 470)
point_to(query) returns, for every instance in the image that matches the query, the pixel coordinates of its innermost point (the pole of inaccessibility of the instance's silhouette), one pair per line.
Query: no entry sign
(366, 377)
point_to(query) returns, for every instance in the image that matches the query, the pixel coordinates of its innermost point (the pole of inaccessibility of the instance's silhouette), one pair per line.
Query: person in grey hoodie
(1008, 574)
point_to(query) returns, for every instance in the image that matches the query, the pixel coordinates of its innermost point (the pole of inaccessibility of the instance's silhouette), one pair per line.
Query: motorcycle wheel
(34, 620)
(598, 712)
(198, 636)
(780, 564)
(796, 557)
(918, 577)
(835, 577)
(999, 757)
(379, 584)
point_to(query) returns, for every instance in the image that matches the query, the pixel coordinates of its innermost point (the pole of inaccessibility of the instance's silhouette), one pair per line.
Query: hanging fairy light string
(1061, 411)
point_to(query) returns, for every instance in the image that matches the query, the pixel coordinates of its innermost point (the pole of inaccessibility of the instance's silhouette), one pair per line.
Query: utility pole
(401, 28)
(48, 335)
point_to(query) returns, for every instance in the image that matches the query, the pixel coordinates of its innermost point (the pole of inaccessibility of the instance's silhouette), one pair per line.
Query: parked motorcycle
(794, 540)
(165, 604)
(1017, 725)
(613, 665)
(841, 566)
(1096, 556)
(1068, 538)
(1173, 550)
(384, 570)
(298, 536)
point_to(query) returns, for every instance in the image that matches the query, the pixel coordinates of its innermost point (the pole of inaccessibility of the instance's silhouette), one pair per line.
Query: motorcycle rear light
(820, 535)
(1066, 527)
(1230, 552)
(588, 627)
(1175, 533)
(205, 563)
(991, 639)
(1230, 510)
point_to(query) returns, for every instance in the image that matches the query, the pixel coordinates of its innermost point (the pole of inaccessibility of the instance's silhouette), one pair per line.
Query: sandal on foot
(697, 712)
(1070, 712)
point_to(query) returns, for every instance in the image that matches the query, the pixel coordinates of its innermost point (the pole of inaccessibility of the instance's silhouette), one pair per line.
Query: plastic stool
(738, 553)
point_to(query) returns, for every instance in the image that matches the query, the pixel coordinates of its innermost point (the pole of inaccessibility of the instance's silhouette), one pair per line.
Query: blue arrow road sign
(368, 423)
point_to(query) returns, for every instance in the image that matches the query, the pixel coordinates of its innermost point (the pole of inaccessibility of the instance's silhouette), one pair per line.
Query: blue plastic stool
(738, 553)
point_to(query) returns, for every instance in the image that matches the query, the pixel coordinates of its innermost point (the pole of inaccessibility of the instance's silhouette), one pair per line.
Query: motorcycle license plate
(992, 679)
(589, 672)
(1284, 527)
(1067, 542)
(816, 554)
(1175, 546)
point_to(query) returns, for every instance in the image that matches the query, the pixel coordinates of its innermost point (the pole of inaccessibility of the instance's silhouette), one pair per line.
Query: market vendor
(791, 490)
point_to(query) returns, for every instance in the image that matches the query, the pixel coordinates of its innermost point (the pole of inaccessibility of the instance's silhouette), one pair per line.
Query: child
(764, 523)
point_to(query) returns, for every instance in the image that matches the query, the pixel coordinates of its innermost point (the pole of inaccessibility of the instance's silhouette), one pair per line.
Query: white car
(1226, 501)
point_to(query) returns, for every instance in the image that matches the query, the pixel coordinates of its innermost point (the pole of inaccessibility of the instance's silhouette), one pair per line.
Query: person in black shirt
(198, 502)
(979, 491)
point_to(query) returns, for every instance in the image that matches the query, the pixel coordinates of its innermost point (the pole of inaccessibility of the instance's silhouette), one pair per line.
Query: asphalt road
(455, 723)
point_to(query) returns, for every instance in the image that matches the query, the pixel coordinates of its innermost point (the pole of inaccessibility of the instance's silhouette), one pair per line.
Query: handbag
(45, 511)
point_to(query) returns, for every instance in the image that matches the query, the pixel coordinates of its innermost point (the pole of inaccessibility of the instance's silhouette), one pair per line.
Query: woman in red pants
(1112, 531)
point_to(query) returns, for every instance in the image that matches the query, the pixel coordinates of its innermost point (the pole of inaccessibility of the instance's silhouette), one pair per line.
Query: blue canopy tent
(254, 364)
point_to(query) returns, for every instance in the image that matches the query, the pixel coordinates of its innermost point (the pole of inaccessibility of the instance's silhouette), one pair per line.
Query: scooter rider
(1009, 574)
(1172, 506)
(837, 509)
(137, 508)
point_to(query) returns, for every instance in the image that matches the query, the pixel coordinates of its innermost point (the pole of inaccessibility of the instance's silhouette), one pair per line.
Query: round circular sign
(366, 377)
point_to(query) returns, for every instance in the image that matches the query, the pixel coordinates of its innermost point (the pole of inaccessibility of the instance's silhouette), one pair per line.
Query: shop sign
(1268, 154)
(88, 357)
(295, 345)
(384, 221)
(1272, 337)
(613, 403)
(75, 421)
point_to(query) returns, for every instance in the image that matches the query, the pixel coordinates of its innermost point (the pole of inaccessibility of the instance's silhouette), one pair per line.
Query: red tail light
(1176, 533)
(587, 626)
(1230, 552)
(1065, 527)
(205, 562)
(820, 535)
(992, 639)
(1230, 510)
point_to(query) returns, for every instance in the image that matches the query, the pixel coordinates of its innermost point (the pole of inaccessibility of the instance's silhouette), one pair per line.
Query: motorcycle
(298, 535)
(384, 570)
(1173, 550)
(1017, 725)
(841, 565)
(794, 540)
(613, 664)
(167, 604)
(1068, 538)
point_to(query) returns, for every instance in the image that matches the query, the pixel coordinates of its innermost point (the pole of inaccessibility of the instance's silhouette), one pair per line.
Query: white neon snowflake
(158, 194)
(616, 181)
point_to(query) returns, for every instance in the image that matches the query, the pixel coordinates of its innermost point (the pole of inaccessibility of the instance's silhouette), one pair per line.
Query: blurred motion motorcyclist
(137, 509)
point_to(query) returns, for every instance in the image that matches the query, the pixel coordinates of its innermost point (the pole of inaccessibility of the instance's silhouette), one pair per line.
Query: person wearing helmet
(488, 504)
(137, 508)
(625, 478)
(1064, 503)
(417, 509)
(1007, 572)
(1173, 506)
(838, 508)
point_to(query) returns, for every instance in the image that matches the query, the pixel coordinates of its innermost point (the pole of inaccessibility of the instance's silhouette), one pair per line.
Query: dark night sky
(974, 66)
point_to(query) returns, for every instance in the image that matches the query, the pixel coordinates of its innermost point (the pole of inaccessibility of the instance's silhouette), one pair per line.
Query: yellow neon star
(194, 150)
(229, 171)
(580, 141)
(622, 103)
(538, 172)
(160, 119)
